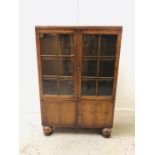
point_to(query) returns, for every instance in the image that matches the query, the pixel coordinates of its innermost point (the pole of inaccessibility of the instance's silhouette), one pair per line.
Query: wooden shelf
(96, 78)
(51, 77)
(99, 58)
(48, 55)
(51, 57)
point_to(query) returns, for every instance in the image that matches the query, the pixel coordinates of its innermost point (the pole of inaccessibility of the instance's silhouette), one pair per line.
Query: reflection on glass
(108, 45)
(105, 88)
(88, 88)
(66, 67)
(89, 68)
(106, 68)
(50, 87)
(90, 45)
(48, 44)
(49, 67)
(66, 87)
(66, 44)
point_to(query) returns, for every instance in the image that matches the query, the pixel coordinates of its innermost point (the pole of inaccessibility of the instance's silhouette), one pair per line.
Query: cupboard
(77, 68)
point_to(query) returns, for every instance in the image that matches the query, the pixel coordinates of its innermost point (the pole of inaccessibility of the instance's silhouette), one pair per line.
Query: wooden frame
(81, 108)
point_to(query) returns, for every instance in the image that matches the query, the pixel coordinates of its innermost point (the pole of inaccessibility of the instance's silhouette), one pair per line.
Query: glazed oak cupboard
(78, 69)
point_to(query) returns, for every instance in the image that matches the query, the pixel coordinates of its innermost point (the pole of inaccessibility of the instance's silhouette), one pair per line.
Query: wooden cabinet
(78, 69)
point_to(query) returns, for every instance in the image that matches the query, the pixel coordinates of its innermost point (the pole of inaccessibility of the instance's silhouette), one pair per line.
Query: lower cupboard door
(95, 114)
(58, 113)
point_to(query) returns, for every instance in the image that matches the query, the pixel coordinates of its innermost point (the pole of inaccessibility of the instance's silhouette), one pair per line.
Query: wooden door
(57, 75)
(98, 63)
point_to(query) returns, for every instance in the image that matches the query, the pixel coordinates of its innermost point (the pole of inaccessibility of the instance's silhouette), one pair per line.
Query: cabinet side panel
(39, 63)
(118, 47)
(39, 71)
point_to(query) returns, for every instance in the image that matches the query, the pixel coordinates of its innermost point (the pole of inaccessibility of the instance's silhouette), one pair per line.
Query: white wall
(73, 12)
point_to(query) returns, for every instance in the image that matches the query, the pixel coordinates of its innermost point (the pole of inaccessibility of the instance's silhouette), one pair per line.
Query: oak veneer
(77, 68)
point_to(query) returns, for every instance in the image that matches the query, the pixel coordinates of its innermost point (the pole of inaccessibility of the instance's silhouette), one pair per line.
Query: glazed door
(98, 54)
(57, 52)
(57, 58)
(98, 62)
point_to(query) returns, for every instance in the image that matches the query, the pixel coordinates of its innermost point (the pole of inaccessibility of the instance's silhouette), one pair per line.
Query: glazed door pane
(90, 45)
(66, 87)
(50, 87)
(48, 44)
(88, 87)
(106, 68)
(66, 67)
(89, 68)
(49, 67)
(108, 45)
(57, 56)
(105, 87)
(66, 44)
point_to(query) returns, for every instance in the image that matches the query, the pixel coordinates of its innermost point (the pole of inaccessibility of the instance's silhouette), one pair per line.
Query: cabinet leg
(47, 130)
(106, 132)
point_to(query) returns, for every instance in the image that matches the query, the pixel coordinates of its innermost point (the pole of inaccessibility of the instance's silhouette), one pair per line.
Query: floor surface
(67, 141)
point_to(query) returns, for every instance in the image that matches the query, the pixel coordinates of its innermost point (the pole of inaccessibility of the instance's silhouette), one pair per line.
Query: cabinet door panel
(59, 113)
(95, 114)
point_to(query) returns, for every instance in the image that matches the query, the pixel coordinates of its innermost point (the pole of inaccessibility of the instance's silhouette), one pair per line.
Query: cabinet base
(106, 132)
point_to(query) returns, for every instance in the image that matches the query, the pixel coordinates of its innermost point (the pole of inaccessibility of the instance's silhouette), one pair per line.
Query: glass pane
(105, 88)
(90, 45)
(89, 68)
(88, 87)
(48, 44)
(108, 45)
(66, 67)
(49, 67)
(66, 44)
(66, 87)
(50, 87)
(106, 68)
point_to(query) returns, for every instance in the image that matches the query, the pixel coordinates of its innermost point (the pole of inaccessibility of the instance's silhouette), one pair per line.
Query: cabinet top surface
(80, 27)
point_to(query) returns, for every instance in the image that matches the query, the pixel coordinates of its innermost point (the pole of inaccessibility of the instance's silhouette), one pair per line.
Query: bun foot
(106, 132)
(47, 130)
